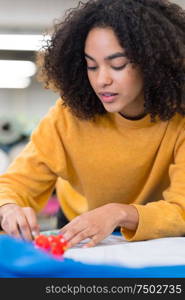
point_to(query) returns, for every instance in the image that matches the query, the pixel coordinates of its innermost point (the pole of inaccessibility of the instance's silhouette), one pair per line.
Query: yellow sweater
(108, 160)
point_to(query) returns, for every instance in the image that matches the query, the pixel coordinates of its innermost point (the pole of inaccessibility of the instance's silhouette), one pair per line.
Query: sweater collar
(143, 122)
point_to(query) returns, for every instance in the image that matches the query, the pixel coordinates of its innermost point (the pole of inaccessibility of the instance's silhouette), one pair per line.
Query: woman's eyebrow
(110, 57)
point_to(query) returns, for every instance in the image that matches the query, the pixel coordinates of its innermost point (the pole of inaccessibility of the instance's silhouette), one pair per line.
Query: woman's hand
(97, 224)
(19, 222)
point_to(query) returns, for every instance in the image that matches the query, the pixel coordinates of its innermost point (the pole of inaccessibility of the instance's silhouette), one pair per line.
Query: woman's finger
(11, 228)
(73, 228)
(24, 227)
(32, 221)
(84, 234)
(94, 241)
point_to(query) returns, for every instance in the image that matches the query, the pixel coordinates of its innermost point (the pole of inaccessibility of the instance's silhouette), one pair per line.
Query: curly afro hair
(152, 32)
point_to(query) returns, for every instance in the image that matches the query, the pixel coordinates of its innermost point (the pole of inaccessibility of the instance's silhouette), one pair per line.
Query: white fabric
(114, 250)
(4, 161)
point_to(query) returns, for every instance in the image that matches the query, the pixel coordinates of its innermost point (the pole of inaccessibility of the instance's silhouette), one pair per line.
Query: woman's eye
(113, 67)
(91, 68)
(120, 67)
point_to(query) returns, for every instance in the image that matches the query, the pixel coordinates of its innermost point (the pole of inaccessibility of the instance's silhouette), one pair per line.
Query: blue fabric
(20, 259)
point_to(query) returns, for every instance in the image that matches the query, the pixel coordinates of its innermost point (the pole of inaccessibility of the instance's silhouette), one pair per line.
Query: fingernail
(34, 234)
(69, 245)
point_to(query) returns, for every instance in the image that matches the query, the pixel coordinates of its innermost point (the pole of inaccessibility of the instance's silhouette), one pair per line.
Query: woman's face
(117, 83)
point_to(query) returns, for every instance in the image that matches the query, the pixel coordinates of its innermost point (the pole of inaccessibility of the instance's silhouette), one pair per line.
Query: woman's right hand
(19, 222)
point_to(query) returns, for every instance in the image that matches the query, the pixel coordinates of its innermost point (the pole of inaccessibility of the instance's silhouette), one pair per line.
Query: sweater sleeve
(166, 217)
(31, 178)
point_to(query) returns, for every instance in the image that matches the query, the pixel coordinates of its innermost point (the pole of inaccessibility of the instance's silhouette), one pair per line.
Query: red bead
(52, 238)
(62, 240)
(54, 244)
(57, 250)
(42, 242)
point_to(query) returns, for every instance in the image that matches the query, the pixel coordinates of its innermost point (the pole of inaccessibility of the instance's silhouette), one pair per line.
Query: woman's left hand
(96, 224)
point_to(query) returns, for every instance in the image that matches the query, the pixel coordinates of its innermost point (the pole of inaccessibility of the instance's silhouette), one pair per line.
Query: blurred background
(23, 100)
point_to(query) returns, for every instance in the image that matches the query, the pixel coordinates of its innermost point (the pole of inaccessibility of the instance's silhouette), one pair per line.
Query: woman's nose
(104, 78)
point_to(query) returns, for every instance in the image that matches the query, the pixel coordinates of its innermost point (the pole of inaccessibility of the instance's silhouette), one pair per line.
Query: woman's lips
(108, 98)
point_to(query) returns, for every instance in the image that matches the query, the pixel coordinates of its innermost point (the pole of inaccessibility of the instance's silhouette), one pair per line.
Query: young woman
(115, 140)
